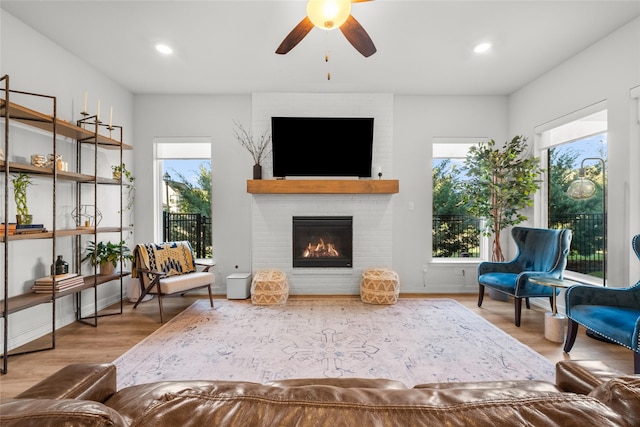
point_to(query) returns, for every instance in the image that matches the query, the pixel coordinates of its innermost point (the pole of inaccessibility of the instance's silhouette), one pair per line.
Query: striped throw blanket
(172, 258)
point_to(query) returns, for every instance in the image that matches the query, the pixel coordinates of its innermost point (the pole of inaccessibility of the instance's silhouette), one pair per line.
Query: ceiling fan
(329, 15)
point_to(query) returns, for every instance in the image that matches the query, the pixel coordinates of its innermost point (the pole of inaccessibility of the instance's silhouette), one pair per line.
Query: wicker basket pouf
(379, 286)
(269, 287)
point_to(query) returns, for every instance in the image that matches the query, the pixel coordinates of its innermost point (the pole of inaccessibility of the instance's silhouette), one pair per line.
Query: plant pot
(107, 269)
(24, 219)
(257, 171)
(116, 175)
(497, 295)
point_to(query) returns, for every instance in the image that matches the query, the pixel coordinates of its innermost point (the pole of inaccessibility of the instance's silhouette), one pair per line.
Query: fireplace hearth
(322, 241)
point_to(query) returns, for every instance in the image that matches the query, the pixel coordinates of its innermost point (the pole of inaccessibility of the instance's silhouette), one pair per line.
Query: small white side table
(554, 322)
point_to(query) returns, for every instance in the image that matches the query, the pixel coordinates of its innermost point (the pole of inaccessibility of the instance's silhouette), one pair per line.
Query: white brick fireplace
(272, 214)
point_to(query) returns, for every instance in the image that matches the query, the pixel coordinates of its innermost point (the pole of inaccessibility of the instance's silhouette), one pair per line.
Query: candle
(379, 169)
(111, 117)
(84, 105)
(98, 113)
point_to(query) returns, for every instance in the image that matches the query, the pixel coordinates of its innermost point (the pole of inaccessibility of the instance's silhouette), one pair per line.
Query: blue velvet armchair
(612, 313)
(541, 252)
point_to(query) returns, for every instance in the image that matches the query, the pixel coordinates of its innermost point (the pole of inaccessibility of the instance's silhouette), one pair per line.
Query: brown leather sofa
(586, 393)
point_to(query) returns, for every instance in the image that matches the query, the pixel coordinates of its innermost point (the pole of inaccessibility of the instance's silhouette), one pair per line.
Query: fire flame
(320, 250)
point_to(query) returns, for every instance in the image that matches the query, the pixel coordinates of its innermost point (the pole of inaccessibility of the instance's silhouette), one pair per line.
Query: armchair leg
(144, 291)
(517, 302)
(636, 362)
(210, 296)
(480, 295)
(160, 304)
(528, 304)
(572, 332)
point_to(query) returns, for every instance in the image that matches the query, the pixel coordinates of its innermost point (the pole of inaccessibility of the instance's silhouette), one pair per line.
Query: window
(455, 234)
(574, 150)
(183, 174)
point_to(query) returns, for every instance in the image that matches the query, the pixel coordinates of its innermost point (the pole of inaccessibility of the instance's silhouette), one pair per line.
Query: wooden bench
(169, 268)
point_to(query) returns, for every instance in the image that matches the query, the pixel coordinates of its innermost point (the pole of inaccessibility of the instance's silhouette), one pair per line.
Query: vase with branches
(501, 183)
(259, 148)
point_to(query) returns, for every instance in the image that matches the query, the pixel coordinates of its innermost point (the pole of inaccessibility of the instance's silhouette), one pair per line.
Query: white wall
(35, 64)
(419, 119)
(372, 214)
(231, 166)
(606, 71)
(416, 120)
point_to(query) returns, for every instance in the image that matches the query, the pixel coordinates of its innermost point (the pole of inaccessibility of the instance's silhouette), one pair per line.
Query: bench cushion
(184, 282)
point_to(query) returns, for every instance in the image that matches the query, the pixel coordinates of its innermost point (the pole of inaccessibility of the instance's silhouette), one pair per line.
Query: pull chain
(326, 59)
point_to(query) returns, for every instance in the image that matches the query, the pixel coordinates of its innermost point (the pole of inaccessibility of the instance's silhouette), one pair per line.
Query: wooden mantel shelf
(323, 186)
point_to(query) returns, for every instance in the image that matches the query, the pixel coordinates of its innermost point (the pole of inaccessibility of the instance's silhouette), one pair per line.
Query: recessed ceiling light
(482, 47)
(163, 48)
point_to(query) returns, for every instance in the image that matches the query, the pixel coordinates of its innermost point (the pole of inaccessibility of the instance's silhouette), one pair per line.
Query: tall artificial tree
(500, 185)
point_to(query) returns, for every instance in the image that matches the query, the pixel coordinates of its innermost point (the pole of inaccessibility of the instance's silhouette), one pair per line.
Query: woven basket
(269, 287)
(379, 286)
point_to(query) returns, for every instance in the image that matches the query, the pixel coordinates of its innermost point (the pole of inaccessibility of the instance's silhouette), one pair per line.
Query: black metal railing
(587, 243)
(456, 236)
(193, 227)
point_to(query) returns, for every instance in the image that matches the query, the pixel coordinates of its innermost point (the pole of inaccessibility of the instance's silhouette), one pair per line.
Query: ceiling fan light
(328, 14)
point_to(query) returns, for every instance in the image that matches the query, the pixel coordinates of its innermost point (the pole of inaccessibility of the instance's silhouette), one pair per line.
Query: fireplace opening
(322, 241)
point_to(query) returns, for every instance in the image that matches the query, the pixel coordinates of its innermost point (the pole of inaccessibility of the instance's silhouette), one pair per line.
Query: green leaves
(107, 252)
(502, 181)
(21, 182)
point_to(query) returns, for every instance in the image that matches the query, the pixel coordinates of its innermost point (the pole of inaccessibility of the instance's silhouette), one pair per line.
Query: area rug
(414, 341)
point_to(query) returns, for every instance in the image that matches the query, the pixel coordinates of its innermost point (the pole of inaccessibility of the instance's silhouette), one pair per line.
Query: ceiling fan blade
(358, 37)
(295, 36)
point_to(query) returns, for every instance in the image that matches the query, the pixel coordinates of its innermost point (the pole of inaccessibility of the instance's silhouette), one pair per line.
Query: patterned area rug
(414, 341)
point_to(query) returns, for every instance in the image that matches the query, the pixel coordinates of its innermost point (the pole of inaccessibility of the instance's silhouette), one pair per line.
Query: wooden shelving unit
(86, 133)
(32, 299)
(323, 186)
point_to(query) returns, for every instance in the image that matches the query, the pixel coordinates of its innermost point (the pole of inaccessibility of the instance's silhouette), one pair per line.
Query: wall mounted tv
(322, 146)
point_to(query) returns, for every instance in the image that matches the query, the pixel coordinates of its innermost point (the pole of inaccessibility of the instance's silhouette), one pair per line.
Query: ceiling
(227, 47)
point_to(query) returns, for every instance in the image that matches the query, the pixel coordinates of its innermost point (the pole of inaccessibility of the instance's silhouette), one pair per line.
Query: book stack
(62, 282)
(12, 228)
(30, 228)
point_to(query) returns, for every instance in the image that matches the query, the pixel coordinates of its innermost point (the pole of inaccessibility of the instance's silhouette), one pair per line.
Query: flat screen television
(322, 146)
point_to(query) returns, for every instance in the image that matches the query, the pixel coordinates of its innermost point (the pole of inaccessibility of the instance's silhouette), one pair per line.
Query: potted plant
(502, 181)
(21, 182)
(118, 172)
(259, 150)
(107, 255)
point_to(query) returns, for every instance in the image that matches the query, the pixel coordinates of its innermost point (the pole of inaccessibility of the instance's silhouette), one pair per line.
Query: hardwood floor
(116, 334)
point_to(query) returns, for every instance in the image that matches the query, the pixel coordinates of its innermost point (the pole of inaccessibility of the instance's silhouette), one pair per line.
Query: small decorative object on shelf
(21, 182)
(30, 228)
(118, 171)
(88, 216)
(59, 267)
(259, 150)
(39, 160)
(107, 255)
